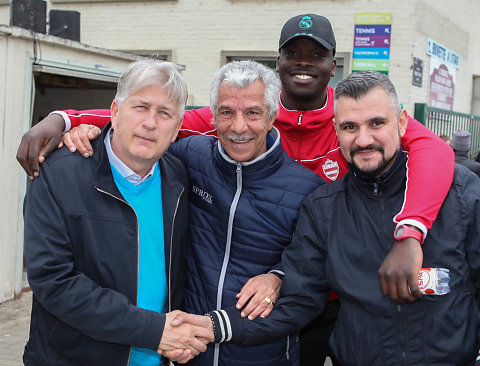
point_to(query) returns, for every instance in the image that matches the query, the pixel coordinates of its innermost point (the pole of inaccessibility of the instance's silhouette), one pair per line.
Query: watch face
(399, 232)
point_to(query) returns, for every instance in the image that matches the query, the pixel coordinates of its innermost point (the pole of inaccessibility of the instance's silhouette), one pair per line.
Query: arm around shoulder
(430, 173)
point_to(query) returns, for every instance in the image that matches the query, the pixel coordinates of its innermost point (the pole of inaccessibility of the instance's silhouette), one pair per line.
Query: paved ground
(14, 326)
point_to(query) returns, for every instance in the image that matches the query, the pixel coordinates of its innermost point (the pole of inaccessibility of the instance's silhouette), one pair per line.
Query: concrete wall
(5, 12)
(454, 25)
(197, 31)
(16, 53)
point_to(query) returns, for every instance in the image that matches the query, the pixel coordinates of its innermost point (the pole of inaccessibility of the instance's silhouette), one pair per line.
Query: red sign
(441, 88)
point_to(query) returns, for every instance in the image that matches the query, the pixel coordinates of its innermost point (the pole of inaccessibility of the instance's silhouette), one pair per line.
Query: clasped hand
(181, 341)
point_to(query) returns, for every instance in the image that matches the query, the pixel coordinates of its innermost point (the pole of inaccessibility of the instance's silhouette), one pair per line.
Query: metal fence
(444, 122)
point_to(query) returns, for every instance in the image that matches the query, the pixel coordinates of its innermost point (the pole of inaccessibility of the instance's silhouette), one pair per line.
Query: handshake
(185, 336)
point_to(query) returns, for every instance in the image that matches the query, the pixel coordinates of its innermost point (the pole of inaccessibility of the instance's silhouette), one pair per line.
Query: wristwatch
(403, 232)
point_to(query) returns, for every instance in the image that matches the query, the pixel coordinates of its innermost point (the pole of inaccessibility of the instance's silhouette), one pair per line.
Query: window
(343, 68)
(267, 58)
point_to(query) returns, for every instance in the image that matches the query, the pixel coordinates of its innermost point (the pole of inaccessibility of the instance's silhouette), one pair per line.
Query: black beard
(381, 167)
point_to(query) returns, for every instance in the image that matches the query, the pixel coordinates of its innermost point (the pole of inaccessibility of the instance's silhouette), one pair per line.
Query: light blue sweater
(146, 200)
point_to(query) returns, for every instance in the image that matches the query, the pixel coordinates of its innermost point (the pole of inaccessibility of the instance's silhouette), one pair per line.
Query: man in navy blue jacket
(105, 237)
(244, 202)
(339, 243)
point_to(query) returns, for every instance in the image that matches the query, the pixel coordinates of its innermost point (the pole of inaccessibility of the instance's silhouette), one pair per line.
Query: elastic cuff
(278, 273)
(222, 326)
(66, 119)
(415, 223)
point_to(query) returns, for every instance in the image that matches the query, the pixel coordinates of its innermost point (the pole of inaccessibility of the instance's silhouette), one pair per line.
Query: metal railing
(444, 122)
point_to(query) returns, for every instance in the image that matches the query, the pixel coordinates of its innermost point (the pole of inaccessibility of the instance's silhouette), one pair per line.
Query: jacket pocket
(450, 330)
(355, 339)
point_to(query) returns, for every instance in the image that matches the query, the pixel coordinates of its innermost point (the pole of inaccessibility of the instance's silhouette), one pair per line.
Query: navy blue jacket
(343, 235)
(462, 158)
(242, 216)
(81, 250)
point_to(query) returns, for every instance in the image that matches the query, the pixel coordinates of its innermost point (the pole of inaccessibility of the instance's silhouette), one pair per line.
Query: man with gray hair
(339, 244)
(244, 202)
(105, 237)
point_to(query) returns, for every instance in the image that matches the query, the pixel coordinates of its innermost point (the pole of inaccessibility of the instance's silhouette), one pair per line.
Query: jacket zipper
(136, 290)
(233, 208)
(299, 123)
(287, 353)
(171, 251)
(403, 345)
(378, 193)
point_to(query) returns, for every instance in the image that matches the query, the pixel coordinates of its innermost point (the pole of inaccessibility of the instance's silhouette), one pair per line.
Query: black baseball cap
(313, 26)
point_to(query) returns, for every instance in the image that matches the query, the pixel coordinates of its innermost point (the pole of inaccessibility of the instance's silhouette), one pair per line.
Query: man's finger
(94, 132)
(175, 354)
(203, 333)
(414, 288)
(67, 140)
(393, 292)
(383, 283)
(78, 141)
(185, 359)
(266, 312)
(48, 148)
(244, 296)
(259, 310)
(404, 292)
(34, 154)
(82, 141)
(198, 320)
(197, 346)
(22, 153)
(253, 304)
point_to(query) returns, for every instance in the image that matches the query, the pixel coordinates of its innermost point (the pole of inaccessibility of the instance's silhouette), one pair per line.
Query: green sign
(373, 18)
(360, 64)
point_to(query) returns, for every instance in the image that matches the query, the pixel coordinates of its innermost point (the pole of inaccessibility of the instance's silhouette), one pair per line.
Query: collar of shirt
(124, 170)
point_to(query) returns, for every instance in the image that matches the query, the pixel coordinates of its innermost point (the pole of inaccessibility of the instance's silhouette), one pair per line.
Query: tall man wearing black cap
(305, 64)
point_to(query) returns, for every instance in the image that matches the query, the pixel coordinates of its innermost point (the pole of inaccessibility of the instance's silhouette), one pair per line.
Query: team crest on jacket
(331, 169)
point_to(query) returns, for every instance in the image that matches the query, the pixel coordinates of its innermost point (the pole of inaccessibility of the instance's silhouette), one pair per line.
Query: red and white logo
(331, 169)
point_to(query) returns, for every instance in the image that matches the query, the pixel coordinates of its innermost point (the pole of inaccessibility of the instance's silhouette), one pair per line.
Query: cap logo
(305, 23)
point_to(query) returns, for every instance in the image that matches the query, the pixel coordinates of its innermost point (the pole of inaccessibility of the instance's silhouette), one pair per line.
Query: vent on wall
(65, 24)
(29, 14)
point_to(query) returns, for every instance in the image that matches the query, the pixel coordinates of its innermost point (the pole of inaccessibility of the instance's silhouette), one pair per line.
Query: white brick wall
(4, 13)
(198, 30)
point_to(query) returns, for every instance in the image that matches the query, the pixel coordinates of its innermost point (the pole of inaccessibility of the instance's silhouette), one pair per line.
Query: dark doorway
(58, 92)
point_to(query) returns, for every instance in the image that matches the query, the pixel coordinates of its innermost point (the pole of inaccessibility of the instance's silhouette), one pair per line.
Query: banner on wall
(371, 44)
(441, 86)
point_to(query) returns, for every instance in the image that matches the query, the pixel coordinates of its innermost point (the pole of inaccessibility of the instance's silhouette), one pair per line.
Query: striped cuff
(66, 118)
(278, 273)
(223, 327)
